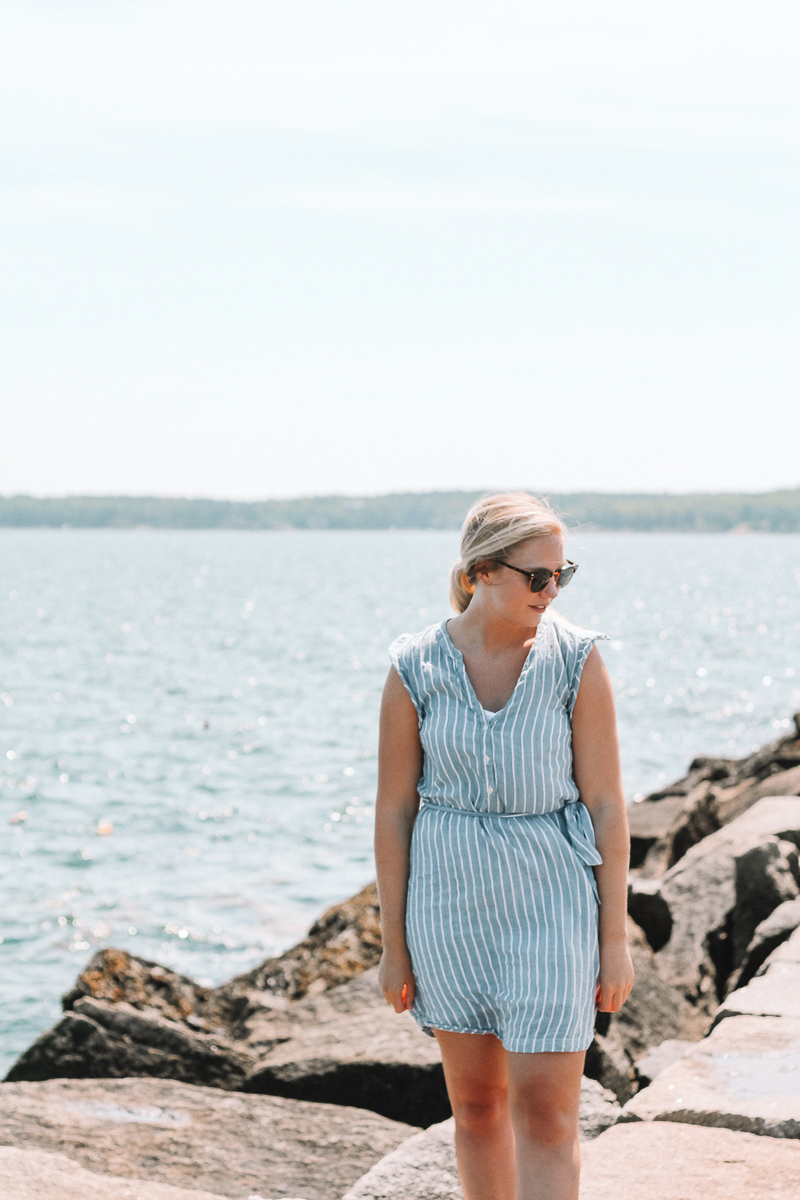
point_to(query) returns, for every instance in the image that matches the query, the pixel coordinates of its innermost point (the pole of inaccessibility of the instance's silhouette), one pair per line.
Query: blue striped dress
(502, 911)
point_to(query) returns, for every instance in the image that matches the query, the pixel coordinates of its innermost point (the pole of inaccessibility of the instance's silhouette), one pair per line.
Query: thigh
(475, 1066)
(546, 1081)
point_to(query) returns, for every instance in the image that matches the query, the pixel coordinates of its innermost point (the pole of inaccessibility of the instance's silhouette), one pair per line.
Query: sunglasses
(539, 577)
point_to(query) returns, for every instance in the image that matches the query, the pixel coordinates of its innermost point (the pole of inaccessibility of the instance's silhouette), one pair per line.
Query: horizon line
(462, 491)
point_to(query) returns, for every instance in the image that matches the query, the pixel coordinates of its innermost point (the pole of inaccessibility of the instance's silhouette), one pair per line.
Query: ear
(484, 571)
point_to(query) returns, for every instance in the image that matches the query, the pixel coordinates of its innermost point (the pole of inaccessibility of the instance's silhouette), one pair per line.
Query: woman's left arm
(595, 749)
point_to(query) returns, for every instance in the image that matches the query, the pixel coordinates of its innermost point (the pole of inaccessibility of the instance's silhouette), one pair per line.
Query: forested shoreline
(775, 512)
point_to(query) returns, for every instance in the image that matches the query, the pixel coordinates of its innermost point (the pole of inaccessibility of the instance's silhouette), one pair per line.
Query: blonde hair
(492, 528)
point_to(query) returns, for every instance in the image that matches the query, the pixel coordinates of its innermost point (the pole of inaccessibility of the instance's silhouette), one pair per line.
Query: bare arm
(399, 770)
(595, 749)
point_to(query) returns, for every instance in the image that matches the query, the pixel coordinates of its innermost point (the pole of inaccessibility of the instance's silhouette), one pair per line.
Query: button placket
(487, 763)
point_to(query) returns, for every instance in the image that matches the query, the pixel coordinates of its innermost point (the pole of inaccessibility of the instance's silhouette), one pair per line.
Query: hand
(616, 976)
(396, 980)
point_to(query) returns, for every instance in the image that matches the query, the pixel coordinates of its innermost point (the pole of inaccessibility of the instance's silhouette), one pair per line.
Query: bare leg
(544, 1096)
(476, 1074)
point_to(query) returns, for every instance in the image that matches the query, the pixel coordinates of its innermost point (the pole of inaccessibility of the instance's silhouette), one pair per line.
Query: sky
(286, 247)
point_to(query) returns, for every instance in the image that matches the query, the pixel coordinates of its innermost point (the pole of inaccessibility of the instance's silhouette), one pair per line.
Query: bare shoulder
(396, 703)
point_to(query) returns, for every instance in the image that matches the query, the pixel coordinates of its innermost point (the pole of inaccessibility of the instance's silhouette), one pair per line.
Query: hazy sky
(275, 247)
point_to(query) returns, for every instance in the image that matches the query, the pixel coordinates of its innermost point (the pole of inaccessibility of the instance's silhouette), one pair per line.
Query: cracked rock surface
(225, 1143)
(663, 1161)
(720, 892)
(744, 1076)
(36, 1175)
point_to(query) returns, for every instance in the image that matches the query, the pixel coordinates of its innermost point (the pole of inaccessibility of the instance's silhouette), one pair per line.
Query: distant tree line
(776, 512)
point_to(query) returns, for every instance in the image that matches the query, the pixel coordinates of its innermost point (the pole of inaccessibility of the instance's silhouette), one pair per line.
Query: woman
(502, 851)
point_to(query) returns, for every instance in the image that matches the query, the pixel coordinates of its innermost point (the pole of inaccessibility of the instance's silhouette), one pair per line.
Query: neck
(492, 631)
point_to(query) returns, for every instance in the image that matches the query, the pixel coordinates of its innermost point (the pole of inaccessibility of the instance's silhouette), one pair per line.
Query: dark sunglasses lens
(564, 575)
(540, 578)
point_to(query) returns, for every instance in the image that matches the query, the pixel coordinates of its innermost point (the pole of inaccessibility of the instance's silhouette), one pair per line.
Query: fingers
(611, 999)
(606, 1003)
(401, 1000)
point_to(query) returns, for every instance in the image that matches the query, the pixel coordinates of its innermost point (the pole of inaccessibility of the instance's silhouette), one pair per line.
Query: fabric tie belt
(573, 818)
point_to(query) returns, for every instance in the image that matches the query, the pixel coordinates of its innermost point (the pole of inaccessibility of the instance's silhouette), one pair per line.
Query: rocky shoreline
(296, 1080)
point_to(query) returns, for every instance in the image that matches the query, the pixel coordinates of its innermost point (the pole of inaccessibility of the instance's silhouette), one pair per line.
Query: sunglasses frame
(538, 571)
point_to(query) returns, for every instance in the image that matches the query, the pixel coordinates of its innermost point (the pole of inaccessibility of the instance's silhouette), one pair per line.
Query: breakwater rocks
(186, 1136)
(296, 1079)
(713, 793)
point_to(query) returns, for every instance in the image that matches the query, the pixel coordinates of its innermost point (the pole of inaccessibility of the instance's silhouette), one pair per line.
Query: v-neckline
(471, 694)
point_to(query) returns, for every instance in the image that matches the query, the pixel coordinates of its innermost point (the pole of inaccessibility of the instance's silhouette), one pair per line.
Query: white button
(490, 789)
(486, 758)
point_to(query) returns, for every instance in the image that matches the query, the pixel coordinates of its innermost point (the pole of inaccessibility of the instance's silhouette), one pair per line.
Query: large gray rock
(776, 994)
(376, 1059)
(116, 976)
(658, 1058)
(598, 1111)
(769, 935)
(731, 804)
(271, 1020)
(745, 1076)
(34, 1175)
(221, 1142)
(787, 952)
(650, 823)
(99, 1040)
(345, 1046)
(721, 890)
(665, 824)
(684, 821)
(424, 1167)
(342, 944)
(775, 990)
(188, 1032)
(658, 1161)
(608, 1062)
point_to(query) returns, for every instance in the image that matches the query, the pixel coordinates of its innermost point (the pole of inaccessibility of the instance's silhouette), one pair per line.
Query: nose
(549, 590)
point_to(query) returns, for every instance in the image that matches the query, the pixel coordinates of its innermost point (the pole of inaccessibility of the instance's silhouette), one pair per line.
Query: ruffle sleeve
(404, 656)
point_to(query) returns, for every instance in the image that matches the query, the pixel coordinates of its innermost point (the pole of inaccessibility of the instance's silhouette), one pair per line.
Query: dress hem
(544, 1046)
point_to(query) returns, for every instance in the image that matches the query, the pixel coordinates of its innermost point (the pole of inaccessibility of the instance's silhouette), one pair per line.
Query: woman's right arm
(399, 771)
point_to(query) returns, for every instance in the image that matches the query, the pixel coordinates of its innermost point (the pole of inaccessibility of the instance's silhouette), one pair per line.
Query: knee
(547, 1125)
(481, 1114)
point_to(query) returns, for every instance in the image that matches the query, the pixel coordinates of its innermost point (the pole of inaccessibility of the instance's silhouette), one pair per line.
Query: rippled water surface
(189, 720)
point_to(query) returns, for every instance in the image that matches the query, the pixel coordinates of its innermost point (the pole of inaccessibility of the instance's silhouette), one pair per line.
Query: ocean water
(188, 720)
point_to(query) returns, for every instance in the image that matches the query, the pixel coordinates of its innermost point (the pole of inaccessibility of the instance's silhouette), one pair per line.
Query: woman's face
(509, 593)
